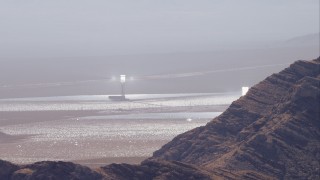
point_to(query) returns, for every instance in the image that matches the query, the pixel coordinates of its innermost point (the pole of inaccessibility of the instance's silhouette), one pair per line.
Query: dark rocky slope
(155, 170)
(273, 130)
(271, 133)
(47, 170)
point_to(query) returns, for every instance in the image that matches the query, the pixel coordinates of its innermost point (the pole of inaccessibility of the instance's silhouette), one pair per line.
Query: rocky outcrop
(47, 170)
(274, 130)
(7, 169)
(271, 133)
(155, 170)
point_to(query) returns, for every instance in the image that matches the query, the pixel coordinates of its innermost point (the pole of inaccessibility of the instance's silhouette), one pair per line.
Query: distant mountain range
(90, 75)
(306, 40)
(273, 132)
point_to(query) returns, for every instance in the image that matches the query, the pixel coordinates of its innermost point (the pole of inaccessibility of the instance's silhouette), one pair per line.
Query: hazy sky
(53, 28)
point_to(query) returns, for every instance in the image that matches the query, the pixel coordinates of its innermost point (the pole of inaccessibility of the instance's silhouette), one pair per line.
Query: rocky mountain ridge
(273, 130)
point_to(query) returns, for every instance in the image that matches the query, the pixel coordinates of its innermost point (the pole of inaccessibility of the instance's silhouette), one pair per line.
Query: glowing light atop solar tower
(123, 81)
(122, 78)
(245, 90)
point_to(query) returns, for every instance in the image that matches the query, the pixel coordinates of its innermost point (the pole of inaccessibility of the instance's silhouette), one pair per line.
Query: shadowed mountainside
(271, 133)
(273, 130)
(47, 170)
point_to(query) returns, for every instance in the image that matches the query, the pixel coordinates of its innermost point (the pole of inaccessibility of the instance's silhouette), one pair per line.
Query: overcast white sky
(53, 28)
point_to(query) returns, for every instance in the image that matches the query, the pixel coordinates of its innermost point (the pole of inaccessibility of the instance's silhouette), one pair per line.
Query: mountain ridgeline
(273, 132)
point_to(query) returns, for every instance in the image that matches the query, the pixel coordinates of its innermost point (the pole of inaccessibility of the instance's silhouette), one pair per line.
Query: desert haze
(170, 89)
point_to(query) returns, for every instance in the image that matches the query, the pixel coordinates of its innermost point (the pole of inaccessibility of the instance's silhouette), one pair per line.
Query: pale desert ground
(94, 131)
